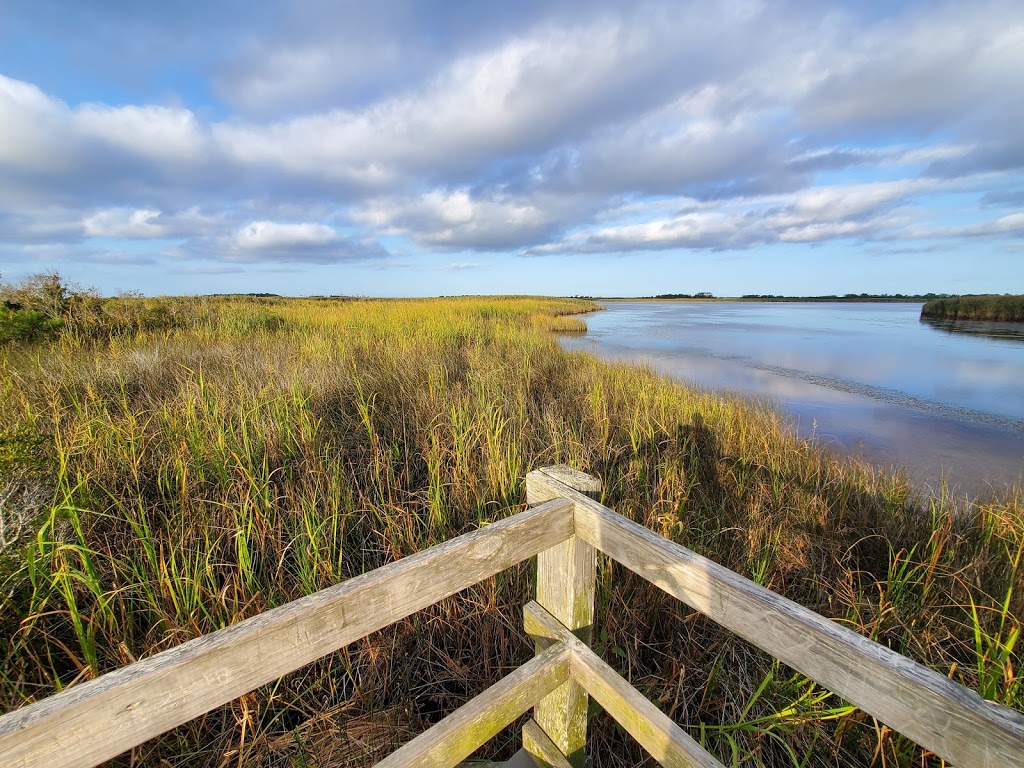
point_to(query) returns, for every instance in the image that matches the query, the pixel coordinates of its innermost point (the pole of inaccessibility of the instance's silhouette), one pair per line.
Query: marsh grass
(990, 308)
(201, 472)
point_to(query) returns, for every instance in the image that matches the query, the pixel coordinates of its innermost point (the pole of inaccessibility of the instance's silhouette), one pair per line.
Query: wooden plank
(588, 485)
(663, 739)
(100, 719)
(566, 576)
(472, 725)
(937, 713)
(541, 748)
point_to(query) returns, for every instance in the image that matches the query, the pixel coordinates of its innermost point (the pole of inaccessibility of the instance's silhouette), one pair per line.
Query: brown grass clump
(199, 473)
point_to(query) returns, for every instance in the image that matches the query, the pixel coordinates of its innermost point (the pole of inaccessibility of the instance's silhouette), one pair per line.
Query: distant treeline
(778, 297)
(848, 297)
(1004, 308)
(700, 295)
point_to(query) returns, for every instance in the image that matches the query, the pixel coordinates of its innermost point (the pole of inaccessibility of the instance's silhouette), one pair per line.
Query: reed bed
(167, 480)
(989, 308)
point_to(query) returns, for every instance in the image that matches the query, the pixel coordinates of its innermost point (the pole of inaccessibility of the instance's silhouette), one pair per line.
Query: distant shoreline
(765, 299)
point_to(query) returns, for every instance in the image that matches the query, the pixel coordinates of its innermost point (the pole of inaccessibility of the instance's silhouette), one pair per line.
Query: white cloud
(527, 94)
(268, 242)
(693, 230)
(868, 211)
(578, 128)
(34, 130)
(482, 221)
(684, 145)
(163, 133)
(927, 70)
(124, 223)
(819, 232)
(35, 224)
(274, 235)
(264, 81)
(848, 200)
(1012, 224)
(152, 223)
(42, 135)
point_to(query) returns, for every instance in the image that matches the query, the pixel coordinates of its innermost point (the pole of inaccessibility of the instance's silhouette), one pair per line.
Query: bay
(944, 402)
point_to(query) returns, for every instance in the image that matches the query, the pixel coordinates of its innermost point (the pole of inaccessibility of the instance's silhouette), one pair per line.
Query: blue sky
(561, 147)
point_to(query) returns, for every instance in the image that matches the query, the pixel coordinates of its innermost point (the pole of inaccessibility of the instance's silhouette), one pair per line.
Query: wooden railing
(565, 528)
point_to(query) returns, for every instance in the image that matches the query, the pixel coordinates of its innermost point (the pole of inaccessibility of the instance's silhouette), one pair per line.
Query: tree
(46, 293)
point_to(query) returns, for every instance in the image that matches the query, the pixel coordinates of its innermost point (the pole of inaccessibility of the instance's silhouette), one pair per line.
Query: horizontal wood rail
(471, 726)
(942, 716)
(665, 741)
(100, 719)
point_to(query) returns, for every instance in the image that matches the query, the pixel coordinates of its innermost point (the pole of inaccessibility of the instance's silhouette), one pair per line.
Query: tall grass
(203, 472)
(995, 308)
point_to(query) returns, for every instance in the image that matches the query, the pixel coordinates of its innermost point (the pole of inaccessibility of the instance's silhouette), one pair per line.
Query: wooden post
(566, 576)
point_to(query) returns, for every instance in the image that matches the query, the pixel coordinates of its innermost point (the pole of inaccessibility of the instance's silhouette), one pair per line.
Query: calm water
(945, 402)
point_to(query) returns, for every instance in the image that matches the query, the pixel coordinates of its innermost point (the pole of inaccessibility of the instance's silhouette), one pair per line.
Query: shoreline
(745, 300)
(844, 415)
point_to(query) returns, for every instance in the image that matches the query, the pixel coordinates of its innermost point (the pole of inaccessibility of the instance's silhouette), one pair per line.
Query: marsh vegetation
(168, 475)
(993, 308)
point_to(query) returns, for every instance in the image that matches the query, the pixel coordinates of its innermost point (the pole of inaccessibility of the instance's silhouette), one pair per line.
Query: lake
(869, 378)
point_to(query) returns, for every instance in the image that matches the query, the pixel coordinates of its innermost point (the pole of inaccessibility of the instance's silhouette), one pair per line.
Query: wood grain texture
(663, 739)
(566, 577)
(937, 713)
(466, 729)
(100, 719)
(538, 491)
(541, 748)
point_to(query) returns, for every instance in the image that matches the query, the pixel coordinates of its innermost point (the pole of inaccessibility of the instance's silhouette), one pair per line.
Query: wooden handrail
(98, 720)
(665, 741)
(472, 725)
(102, 718)
(952, 721)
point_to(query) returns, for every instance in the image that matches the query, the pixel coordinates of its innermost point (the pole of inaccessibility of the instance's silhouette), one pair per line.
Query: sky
(433, 147)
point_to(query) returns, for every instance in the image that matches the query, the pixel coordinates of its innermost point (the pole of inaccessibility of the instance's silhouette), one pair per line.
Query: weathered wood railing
(565, 528)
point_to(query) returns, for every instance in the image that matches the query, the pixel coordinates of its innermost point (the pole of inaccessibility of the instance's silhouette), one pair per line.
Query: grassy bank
(994, 308)
(162, 483)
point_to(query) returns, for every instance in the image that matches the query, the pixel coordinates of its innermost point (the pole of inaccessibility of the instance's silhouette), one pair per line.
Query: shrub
(26, 325)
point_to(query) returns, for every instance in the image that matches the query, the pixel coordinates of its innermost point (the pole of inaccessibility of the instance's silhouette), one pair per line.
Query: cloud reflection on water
(867, 377)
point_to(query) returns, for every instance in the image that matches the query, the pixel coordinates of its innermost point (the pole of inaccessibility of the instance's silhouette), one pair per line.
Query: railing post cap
(578, 481)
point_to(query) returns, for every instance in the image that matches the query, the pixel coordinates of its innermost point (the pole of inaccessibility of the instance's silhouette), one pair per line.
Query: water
(946, 402)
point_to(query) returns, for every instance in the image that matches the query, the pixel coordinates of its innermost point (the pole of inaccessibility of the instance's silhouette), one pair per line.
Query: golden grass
(199, 473)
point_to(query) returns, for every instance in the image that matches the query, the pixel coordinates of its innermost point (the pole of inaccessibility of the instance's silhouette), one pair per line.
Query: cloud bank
(334, 133)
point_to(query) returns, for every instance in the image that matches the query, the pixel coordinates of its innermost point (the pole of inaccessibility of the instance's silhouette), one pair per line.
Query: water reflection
(987, 328)
(868, 378)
